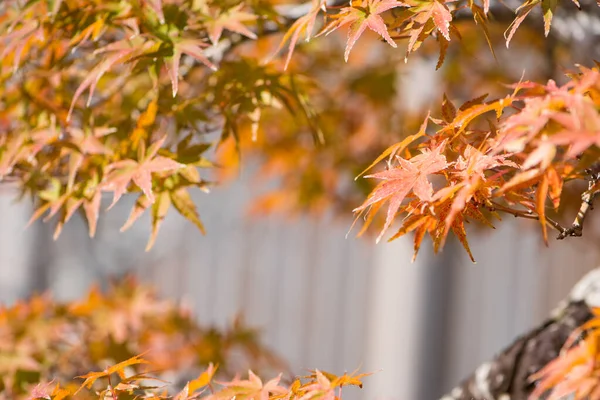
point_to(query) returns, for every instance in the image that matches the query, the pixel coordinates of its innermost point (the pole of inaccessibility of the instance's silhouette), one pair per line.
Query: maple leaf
(142, 203)
(119, 174)
(121, 52)
(470, 168)
(548, 8)
(231, 20)
(398, 147)
(158, 214)
(16, 41)
(456, 224)
(182, 201)
(361, 15)
(542, 155)
(435, 11)
(519, 129)
(474, 109)
(68, 201)
(14, 149)
(87, 141)
(443, 48)
(306, 24)
(419, 223)
(156, 6)
(582, 130)
(522, 12)
(191, 47)
(481, 19)
(119, 368)
(473, 162)
(323, 388)
(251, 388)
(555, 183)
(409, 176)
(42, 391)
(204, 378)
(520, 180)
(91, 208)
(540, 205)
(441, 17)
(342, 380)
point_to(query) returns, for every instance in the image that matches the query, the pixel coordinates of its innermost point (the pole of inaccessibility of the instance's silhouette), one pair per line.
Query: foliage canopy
(154, 97)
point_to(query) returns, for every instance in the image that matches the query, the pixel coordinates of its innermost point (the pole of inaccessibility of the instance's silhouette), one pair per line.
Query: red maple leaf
(362, 15)
(410, 176)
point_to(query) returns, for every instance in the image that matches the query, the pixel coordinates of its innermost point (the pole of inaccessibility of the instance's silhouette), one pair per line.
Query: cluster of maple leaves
(317, 385)
(48, 350)
(134, 133)
(45, 341)
(138, 133)
(514, 163)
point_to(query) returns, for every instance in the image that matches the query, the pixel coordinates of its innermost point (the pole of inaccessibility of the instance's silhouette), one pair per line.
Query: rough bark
(506, 377)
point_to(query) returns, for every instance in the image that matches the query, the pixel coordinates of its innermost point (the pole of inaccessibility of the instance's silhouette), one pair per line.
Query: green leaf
(182, 201)
(548, 7)
(159, 211)
(141, 204)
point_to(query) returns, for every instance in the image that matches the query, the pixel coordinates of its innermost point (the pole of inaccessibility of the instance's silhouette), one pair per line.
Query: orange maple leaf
(191, 47)
(323, 387)
(433, 10)
(306, 24)
(119, 174)
(119, 368)
(409, 176)
(470, 169)
(251, 388)
(120, 52)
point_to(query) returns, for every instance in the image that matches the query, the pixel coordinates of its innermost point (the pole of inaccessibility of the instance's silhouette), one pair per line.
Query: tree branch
(506, 377)
(587, 204)
(528, 215)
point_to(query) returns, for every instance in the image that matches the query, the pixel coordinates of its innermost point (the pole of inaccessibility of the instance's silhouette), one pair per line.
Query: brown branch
(507, 375)
(587, 204)
(528, 214)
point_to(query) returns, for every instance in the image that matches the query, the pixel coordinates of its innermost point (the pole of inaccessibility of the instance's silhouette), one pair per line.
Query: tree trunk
(506, 377)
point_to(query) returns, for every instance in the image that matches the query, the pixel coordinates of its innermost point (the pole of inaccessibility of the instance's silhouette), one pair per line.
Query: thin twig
(529, 215)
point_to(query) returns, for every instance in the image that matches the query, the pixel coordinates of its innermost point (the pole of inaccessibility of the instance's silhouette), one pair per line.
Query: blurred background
(318, 299)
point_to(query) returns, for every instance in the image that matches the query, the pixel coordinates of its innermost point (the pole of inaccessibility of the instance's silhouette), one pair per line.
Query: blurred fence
(321, 300)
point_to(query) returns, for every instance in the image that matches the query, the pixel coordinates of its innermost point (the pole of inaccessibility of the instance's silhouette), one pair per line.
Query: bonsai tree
(160, 97)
